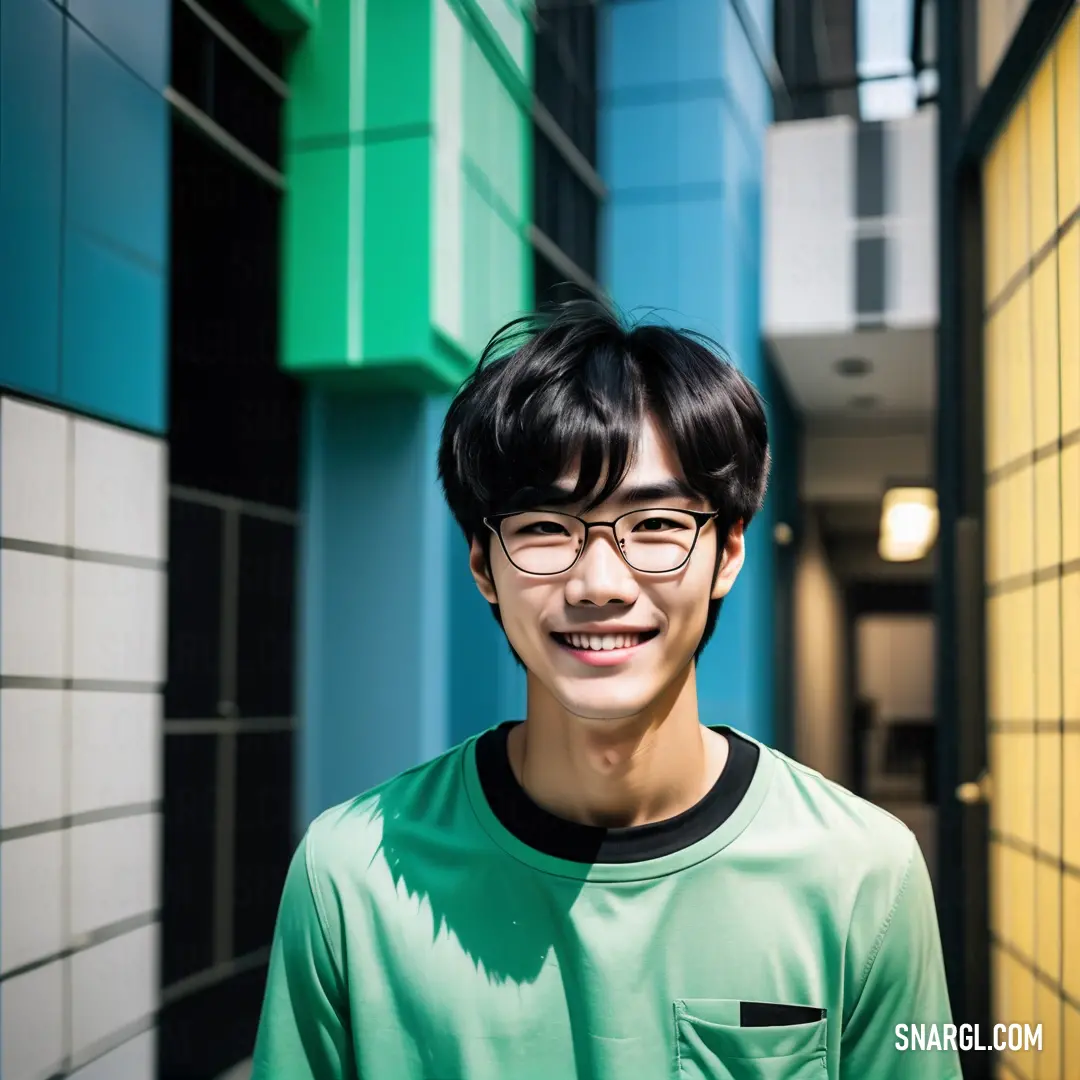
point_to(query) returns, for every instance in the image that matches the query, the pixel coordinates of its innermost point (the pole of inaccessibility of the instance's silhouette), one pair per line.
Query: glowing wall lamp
(909, 523)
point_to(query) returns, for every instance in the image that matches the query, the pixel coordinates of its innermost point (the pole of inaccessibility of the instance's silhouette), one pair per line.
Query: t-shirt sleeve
(303, 1030)
(903, 984)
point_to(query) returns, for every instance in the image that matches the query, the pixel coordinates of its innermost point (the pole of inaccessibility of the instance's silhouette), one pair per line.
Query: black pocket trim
(770, 1014)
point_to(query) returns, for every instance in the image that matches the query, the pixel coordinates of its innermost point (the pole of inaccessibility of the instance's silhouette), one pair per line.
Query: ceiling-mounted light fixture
(909, 523)
(853, 367)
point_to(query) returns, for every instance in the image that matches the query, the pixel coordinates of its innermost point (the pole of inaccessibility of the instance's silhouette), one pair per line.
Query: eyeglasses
(654, 541)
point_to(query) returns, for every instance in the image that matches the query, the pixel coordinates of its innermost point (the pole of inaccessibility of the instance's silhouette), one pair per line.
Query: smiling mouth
(603, 642)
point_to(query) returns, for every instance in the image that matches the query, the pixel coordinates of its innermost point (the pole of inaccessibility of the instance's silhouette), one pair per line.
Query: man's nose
(601, 575)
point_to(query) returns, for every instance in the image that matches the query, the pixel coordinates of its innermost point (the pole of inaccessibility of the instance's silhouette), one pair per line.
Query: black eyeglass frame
(701, 519)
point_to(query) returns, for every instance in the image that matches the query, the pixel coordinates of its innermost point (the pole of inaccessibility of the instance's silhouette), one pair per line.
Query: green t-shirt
(435, 929)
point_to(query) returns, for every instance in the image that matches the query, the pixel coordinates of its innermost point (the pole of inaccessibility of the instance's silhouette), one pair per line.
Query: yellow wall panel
(1018, 886)
(1018, 380)
(1070, 648)
(1069, 328)
(1048, 793)
(1016, 150)
(1000, 984)
(1070, 800)
(995, 874)
(1048, 1014)
(1021, 821)
(1007, 780)
(1047, 512)
(995, 662)
(1022, 1004)
(1046, 367)
(1067, 70)
(1020, 534)
(1007, 526)
(995, 208)
(1070, 935)
(1070, 503)
(1021, 655)
(1031, 377)
(1071, 1064)
(1048, 929)
(1042, 179)
(1048, 650)
(995, 402)
(993, 511)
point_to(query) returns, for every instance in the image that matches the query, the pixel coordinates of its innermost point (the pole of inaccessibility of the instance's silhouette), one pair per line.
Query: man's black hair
(572, 384)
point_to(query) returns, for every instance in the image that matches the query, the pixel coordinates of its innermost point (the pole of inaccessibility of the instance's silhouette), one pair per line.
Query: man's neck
(617, 773)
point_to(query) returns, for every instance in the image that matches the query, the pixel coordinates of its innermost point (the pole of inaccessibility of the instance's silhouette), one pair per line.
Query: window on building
(567, 190)
(234, 491)
(868, 59)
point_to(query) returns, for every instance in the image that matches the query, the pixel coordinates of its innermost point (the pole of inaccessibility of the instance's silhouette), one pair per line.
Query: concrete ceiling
(861, 435)
(901, 382)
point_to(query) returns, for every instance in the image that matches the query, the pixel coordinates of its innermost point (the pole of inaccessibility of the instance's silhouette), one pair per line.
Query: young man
(608, 889)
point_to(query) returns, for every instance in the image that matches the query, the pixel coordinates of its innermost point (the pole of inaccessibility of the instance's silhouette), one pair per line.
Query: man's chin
(603, 708)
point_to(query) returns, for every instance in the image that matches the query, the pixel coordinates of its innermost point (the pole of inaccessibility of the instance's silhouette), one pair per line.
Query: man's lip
(600, 631)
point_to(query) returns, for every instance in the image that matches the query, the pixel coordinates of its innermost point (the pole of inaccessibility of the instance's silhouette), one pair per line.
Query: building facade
(248, 250)
(685, 104)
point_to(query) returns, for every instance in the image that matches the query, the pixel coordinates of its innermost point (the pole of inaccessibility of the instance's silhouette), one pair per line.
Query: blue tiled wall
(684, 107)
(84, 144)
(399, 655)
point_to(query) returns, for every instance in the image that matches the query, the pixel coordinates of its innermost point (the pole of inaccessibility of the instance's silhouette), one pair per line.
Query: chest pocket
(713, 1042)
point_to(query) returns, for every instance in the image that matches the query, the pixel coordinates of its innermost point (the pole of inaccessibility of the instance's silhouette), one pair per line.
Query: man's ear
(481, 570)
(730, 563)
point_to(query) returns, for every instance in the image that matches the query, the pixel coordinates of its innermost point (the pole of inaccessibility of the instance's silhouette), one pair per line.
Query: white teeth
(603, 642)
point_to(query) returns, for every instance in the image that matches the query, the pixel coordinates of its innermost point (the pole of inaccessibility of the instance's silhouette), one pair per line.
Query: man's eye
(657, 524)
(544, 528)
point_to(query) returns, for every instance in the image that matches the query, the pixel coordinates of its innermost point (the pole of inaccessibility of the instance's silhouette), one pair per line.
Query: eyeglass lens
(653, 541)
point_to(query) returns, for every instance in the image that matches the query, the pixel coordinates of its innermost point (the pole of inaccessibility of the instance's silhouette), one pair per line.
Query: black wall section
(233, 520)
(954, 501)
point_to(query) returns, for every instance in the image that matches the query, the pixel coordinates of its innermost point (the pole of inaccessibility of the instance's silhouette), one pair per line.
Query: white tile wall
(33, 473)
(114, 871)
(134, 1060)
(116, 749)
(31, 899)
(120, 491)
(31, 1024)
(118, 629)
(113, 984)
(83, 485)
(33, 617)
(31, 756)
(809, 226)
(809, 254)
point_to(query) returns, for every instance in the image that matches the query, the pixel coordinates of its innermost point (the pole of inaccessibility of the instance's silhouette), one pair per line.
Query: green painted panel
(399, 63)
(408, 201)
(477, 274)
(322, 263)
(514, 68)
(397, 242)
(326, 75)
(286, 16)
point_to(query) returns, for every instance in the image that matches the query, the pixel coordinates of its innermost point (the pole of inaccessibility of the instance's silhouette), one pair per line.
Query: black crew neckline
(575, 842)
